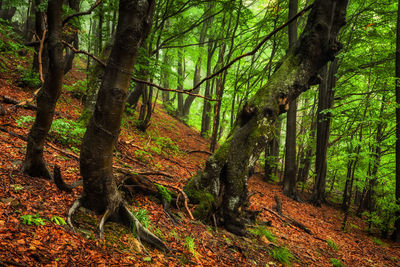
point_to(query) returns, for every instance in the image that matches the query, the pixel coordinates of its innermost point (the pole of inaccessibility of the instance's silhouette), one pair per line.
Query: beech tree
(34, 164)
(221, 189)
(100, 193)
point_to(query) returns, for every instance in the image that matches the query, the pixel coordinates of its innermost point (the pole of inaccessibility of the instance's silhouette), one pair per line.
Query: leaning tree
(221, 188)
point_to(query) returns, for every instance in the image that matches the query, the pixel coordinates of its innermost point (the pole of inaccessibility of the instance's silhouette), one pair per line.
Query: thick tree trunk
(221, 189)
(396, 234)
(325, 101)
(99, 188)
(34, 164)
(289, 179)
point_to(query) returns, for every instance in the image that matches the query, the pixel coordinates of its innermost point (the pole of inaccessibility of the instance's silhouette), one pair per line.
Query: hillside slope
(167, 154)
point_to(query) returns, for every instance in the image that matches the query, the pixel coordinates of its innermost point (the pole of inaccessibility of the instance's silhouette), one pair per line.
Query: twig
(9, 100)
(87, 12)
(40, 56)
(29, 100)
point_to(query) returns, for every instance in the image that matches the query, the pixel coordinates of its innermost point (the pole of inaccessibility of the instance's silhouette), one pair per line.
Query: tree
(34, 164)
(289, 179)
(221, 188)
(396, 234)
(325, 101)
(100, 192)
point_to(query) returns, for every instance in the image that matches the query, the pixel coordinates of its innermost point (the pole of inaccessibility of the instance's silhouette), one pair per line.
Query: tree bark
(72, 38)
(289, 179)
(325, 101)
(34, 164)
(221, 189)
(99, 188)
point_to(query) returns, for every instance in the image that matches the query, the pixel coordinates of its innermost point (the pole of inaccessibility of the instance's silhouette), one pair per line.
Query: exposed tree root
(71, 212)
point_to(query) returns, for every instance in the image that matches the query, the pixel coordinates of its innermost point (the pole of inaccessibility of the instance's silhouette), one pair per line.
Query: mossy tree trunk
(34, 164)
(221, 189)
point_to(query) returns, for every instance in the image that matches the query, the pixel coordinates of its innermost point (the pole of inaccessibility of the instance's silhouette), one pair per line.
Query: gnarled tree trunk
(221, 189)
(34, 164)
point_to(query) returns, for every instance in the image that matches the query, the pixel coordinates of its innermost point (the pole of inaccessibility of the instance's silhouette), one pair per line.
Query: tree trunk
(206, 116)
(100, 192)
(289, 180)
(34, 164)
(181, 76)
(39, 29)
(72, 38)
(221, 189)
(396, 234)
(325, 101)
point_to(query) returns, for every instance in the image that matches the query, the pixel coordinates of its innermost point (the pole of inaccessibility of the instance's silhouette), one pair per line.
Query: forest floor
(168, 146)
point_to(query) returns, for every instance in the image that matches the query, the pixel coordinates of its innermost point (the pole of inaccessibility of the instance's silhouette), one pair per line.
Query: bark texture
(34, 164)
(99, 188)
(221, 189)
(325, 101)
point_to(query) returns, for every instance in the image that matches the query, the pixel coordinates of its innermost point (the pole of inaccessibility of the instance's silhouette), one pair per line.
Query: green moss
(165, 193)
(205, 207)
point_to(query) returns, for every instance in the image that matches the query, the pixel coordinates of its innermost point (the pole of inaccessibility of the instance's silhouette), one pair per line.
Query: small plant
(262, 231)
(17, 187)
(35, 219)
(332, 244)
(58, 220)
(377, 241)
(282, 255)
(143, 216)
(190, 245)
(336, 263)
(143, 155)
(30, 78)
(67, 131)
(23, 121)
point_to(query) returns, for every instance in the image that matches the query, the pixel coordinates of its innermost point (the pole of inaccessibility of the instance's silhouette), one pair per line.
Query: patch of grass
(143, 216)
(336, 263)
(262, 231)
(30, 219)
(332, 244)
(190, 245)
(282, 255)
(378, 241)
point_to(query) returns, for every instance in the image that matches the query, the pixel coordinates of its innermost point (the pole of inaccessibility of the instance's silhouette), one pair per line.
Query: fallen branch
(40, 56)
(198, 151)
(290, 221)
(9, 100)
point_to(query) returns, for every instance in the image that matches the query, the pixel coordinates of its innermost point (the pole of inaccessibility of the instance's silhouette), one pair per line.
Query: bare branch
(87, 12)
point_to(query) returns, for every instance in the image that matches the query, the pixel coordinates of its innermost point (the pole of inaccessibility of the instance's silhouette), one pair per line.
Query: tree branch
(87, 12)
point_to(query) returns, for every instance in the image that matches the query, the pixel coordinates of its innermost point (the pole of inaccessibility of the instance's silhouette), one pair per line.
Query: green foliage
(336, 263)
(143, 155)
(143, 216)
(262, 231)
(68, 131)
(64, 130)
(377, 241)
(165, 193)
(190, 245)
(30, 78)
(24, 121)
(58, 220)
(35, 219)
(78, 89)
(282, 255)
(332, 244)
